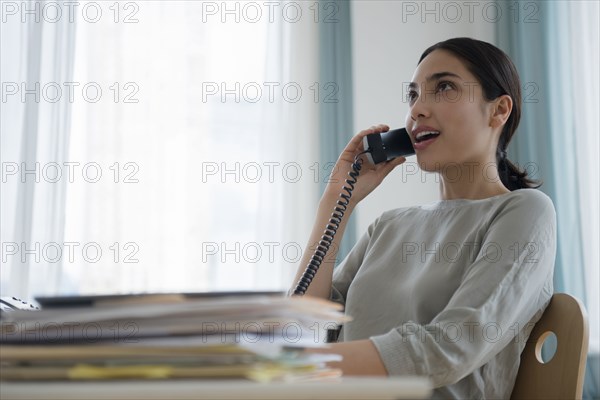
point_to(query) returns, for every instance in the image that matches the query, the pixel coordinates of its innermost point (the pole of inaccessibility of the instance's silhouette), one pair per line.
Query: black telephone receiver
(378, 148)
(388, 145)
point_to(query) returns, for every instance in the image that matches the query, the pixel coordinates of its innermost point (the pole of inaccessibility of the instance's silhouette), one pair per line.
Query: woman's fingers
(355, 143)
(374, 129)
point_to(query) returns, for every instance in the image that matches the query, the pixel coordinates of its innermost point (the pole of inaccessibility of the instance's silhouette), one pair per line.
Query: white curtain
(585, 83)
(36, 61)
(585, 56)
(193, 149)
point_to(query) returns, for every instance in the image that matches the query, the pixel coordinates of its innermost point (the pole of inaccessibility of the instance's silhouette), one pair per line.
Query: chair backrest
(562, 376)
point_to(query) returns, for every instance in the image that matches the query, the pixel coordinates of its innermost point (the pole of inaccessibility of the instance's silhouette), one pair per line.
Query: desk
(344, 389)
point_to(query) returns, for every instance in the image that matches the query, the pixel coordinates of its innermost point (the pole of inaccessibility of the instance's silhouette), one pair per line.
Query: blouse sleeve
(501, 294)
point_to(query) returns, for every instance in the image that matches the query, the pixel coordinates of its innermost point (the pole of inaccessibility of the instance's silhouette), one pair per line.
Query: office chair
(562, 376)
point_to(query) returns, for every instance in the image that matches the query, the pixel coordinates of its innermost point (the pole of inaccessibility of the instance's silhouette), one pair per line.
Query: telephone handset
(388, 145)
(378, 148)
(8, 303)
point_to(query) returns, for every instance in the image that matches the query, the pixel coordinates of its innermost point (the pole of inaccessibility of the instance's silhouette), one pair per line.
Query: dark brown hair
(498, 76)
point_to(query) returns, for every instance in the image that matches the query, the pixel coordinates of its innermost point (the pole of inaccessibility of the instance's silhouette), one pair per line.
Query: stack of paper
(253, 336)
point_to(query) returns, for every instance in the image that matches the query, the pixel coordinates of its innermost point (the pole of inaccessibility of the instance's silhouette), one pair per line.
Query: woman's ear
(501, 108)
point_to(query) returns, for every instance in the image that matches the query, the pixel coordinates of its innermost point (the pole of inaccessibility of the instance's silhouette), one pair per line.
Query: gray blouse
(451, 290)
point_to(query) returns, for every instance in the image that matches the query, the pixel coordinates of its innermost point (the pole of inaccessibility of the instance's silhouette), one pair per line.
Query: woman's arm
(321, 284)
(370, 177)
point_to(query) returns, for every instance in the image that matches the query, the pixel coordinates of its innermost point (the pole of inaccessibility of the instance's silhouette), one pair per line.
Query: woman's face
(445, 97)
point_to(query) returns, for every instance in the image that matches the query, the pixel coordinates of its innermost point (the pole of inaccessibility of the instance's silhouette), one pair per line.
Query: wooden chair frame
(562, 376)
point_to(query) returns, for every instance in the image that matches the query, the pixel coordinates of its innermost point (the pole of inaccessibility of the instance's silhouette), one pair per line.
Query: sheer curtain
(192, 161)
(585, 56)
(557, 56)
(36, 61)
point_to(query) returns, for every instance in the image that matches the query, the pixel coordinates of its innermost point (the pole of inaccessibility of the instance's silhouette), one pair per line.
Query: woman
(449, 290)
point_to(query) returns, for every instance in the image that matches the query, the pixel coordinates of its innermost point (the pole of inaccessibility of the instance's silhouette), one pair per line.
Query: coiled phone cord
(331, 228)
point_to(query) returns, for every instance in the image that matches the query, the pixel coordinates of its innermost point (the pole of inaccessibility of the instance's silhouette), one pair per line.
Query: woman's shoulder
(529, 200)
(531, 194)
(524, 211)
(389, 216)
(394, 213)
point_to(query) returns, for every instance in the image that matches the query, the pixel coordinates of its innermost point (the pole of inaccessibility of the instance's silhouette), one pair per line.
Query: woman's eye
(445, 85)
(411, 96)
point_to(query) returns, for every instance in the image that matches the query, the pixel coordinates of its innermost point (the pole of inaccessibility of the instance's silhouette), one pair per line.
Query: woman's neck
(471, 181)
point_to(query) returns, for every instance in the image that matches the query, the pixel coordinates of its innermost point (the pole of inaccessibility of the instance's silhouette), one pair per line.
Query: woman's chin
(427, 164)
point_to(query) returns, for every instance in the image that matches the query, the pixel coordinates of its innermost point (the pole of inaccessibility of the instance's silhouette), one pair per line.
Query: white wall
(388, 38)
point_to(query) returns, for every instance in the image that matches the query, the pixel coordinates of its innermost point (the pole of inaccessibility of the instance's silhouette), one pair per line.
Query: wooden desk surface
(346, 389)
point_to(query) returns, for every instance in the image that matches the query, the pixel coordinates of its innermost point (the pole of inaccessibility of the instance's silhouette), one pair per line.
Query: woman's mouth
(424, 139)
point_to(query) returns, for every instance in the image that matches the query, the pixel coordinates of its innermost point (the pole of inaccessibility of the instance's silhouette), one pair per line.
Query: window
(191, 156)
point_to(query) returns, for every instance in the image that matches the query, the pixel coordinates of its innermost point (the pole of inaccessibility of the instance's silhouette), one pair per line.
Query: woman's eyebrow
(435, 76)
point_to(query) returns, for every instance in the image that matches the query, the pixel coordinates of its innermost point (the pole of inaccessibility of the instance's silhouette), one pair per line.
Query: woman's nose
(419, 109)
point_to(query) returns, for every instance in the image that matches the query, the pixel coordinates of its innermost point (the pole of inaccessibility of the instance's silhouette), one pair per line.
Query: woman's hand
(370, 175)
(359, 357)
